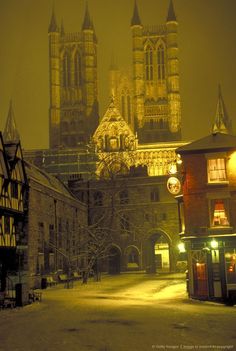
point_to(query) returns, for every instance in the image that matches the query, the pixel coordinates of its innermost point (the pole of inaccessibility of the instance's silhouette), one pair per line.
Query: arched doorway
(132, 258)
(114, 258)
(158, 253)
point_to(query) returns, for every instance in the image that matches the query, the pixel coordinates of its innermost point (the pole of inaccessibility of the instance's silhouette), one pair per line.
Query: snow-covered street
(129, 312)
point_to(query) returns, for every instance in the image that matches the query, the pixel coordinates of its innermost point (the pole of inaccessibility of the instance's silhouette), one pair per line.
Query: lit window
(219, 213)
(216, 170)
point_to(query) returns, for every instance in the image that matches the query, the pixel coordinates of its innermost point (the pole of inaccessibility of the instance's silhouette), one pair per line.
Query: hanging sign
(173, 185)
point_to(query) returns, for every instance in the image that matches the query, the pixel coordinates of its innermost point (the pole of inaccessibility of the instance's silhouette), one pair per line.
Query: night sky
(207, 51)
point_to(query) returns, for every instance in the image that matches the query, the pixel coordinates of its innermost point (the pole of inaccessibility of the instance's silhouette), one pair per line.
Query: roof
(11, 133)
(135, 19)
(171, 13)
(222, 122)
(212, 143)
(87, 24)
(46, 180)
(53, 23)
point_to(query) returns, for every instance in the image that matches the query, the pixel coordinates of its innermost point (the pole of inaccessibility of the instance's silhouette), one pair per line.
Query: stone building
(55, 224)
(73, 111)
(207, 211)
(142, 217)
(129, 195)
(42, 223)
(150, 99)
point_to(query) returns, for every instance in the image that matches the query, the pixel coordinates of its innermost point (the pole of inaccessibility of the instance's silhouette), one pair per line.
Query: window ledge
(220, 229)
(223, 182)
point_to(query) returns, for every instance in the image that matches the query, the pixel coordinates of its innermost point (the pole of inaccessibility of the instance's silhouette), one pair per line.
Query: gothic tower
(121, 90)
(73, 112)
(157, 109)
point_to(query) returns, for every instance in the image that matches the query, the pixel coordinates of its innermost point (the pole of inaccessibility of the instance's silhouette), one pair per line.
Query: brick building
(207, 214)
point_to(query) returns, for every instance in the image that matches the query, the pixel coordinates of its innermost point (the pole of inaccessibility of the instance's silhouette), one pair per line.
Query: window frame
(222, 178)
(213, 203)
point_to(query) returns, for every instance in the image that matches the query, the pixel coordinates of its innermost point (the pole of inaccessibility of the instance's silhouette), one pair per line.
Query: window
(161, 62)
(230, 263)
(98, 198)
(7, 225)
(40, 237)
(216, 170)
(14, 190)
(154, 195)
(51, 233)
(124, 222)
(124, 197)
(66, 70)
(219, 213)
(78, 74)
(149, 63)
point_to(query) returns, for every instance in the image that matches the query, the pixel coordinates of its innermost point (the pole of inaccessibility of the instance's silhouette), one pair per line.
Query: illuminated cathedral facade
(150, 100)
(73, 111)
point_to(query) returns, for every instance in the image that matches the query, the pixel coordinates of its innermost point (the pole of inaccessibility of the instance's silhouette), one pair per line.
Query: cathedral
(148, 99)
(122, 166)
(73, 111)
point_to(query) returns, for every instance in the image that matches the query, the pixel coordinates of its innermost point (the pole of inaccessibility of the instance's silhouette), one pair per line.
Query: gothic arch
(158, 251)
(114, 259)
(132, 257)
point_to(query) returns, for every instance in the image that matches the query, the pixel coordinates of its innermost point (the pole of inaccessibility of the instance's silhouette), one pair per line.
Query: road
(129, 312)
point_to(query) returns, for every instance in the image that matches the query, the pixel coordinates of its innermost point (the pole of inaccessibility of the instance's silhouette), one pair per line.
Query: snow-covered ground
(129, 312)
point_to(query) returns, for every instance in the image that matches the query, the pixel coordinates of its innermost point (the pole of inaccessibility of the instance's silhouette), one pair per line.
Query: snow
(129, 312)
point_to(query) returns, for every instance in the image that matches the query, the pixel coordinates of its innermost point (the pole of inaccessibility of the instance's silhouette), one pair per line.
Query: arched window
(149, 63)
(66, 70)
(78, 69)
(161, 62)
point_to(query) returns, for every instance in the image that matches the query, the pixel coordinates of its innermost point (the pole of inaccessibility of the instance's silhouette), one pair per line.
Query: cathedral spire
(53, 23)
(87, 24)
(222, 123)
(10, 133)
(171, 17)
(135, 21)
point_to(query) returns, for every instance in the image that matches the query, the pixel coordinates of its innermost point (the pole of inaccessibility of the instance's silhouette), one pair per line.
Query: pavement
(128, 312)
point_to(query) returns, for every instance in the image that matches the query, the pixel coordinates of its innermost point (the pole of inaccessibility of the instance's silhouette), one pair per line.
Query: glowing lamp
(178, 159)
(214, 244)
(181, 247)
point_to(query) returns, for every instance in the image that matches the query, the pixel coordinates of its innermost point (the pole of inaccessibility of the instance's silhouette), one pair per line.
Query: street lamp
(214, 244)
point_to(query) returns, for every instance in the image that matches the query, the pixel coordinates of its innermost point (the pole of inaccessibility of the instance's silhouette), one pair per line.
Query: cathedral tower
(157, 109)
(73, 112)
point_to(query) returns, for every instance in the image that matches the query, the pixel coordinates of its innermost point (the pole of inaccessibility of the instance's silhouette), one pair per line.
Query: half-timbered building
(13, 184)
